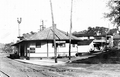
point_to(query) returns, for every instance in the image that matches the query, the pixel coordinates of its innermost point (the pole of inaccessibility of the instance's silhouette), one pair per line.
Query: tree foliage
(114, 14)
(92, 31)
(8, 48)
(27, 35)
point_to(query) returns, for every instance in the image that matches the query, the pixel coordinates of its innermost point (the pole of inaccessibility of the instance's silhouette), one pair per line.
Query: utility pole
(19, 20)
(70, 30)
(53, 25)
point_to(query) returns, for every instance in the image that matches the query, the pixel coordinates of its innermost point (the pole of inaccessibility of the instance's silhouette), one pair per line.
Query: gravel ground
(12, 68)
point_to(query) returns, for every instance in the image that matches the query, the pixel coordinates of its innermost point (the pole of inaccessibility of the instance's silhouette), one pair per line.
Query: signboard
(60, 41)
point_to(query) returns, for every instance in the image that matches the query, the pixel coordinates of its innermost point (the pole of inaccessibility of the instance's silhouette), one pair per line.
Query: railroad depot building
(41, 44)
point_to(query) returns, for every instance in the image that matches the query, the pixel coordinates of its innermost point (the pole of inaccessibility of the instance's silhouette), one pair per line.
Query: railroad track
(3, 74)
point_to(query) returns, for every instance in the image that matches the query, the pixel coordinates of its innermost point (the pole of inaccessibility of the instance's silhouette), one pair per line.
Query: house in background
(85, 45)
(103, 42)
(41, 44)
(99, 43)
(116, 38)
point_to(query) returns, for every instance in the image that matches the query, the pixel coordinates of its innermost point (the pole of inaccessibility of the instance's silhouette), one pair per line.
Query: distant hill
(1, 45)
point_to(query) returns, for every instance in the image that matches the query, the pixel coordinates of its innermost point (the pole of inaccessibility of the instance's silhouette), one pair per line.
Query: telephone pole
(70, 30)
(53, 25)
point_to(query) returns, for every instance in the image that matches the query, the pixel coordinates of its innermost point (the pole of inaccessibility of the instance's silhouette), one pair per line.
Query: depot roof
(47, 34)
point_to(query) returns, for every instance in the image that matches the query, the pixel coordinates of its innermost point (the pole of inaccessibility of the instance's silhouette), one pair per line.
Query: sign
(60, 41)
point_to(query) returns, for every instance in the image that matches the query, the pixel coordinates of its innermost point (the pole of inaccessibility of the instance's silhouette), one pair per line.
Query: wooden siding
(42, 51)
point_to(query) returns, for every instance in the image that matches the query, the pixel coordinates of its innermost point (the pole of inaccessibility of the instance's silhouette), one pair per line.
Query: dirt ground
(11, 68)
(94, 70)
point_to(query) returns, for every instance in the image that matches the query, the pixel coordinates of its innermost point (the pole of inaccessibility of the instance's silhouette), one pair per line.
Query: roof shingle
(47, 34)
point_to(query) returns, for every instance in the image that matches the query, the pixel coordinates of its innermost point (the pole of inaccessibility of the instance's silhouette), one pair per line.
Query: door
(22, 52)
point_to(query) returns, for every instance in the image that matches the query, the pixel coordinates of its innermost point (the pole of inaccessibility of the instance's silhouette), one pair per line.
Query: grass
(111, 56)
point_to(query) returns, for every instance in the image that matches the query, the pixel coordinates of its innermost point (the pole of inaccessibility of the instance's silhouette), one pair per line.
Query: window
(53, 44)
(73, 45)
(32, 50)
(62, 44)
(38, 45)
(59, 44)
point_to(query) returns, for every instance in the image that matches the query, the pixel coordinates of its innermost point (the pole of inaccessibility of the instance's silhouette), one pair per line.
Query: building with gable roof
(41, 44)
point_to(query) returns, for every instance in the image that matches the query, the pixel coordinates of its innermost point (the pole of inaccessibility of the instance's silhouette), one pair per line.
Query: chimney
(42, 27)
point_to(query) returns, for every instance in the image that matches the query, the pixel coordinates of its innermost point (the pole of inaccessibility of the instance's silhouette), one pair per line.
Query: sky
(86, 13)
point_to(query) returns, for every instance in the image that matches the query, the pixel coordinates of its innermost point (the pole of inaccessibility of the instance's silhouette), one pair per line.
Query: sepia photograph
(59, 38)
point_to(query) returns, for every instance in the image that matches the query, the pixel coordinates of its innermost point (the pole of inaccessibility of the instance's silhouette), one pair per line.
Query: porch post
(47, 50)
(19, 50)
(25, 49)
